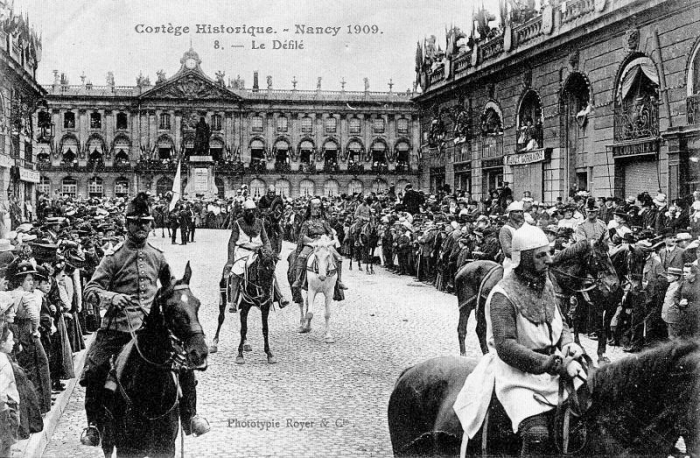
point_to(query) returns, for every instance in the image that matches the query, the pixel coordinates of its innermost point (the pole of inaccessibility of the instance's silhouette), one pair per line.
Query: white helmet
(249, 205)
(515, 206)
(528, 237)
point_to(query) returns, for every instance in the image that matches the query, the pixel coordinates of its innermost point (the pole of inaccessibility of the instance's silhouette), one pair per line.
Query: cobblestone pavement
(321, 399)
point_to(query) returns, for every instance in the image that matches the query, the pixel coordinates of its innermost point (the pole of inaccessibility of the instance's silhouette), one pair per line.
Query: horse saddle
(117, 365)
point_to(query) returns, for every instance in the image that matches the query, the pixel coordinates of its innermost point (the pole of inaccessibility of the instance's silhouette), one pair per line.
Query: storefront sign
(526, 158)
(201, 180)
(31, 176)
(636, 149)
(491, 163)
(201, 159)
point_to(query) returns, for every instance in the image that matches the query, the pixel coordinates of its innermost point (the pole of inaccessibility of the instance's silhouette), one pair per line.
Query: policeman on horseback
(247, 236)
(313, 228)
(125, 284)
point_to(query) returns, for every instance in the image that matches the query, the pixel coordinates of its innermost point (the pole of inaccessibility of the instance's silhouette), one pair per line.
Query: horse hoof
(602, 359)
(213, 349)
(240, 360)
(302, 329)
(462, 353)
(247, 347)
(329, 339)
(271, 359)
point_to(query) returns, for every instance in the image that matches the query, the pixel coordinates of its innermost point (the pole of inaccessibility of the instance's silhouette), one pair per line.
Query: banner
(176, 188)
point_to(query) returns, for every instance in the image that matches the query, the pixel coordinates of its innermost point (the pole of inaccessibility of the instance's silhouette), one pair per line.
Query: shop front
(527, 169)
(636, 168)
(491, 175)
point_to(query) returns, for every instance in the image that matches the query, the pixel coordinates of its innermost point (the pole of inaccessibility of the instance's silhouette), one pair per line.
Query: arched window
(355, 186)
(44, 186)
(164, 121)
(491, 120)
(257, 188)
(165, 148)
(636, 101)
(403, 155)
(379, 186)
(530, 122)
(282, 124)
(69, 150)
(121, 149)
(256, 124)
(164, 185)
(69, 187)
(95, 187)
(331, 188)
(307, 125)
(305, 150)
(69, 120)
(257, 150)
(354, 151)
(378, 150)
(307, 188)
(283, 188)
(330, 152)
(281, 152)
(121, 157)
(121, 187)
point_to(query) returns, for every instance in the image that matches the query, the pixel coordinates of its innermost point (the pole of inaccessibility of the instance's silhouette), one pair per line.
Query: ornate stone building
(116, 140)
(601, 95)
(20, 96)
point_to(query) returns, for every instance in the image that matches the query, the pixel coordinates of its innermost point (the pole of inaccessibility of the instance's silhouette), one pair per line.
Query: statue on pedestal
(201, 138)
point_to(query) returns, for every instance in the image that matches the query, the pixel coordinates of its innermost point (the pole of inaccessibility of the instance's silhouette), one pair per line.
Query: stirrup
(90, 436)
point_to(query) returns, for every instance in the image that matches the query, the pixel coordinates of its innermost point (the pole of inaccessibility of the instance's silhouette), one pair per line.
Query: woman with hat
(568, 221)
(32, 358)
(530, 348)
(61, 354)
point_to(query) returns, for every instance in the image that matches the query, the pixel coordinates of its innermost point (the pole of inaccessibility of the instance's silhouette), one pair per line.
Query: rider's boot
(534, 432)
(299, 272)
(94, 410)
(278, 297)
(234, 294)
(340, 283)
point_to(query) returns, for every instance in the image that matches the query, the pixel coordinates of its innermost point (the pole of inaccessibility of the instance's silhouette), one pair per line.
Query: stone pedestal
(201, 178)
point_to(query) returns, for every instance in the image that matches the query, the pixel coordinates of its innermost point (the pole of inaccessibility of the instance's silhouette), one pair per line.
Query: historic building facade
(20, 97)
(601, 95)
(116, 140)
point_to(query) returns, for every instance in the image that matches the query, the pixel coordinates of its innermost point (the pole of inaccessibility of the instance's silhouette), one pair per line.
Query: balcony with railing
(491, 146)
(637, 119)
(529, 30)
(491, 48)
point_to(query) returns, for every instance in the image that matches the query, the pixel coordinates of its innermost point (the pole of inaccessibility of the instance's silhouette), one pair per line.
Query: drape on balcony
(635, 69)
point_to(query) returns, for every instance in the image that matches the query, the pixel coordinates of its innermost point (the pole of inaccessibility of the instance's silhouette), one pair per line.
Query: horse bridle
(259, 298)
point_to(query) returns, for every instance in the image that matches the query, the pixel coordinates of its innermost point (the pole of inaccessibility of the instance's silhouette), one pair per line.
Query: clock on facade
(190, 63)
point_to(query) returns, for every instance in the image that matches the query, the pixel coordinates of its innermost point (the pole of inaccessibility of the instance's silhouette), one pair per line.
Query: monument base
(201, 181)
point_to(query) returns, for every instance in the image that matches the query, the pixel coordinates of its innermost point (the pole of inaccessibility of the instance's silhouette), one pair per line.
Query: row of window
(69, 187)
(330, 124)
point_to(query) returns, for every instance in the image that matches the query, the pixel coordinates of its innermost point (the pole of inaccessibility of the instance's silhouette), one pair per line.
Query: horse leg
(302, 312)
(462, 329)
(328, 298)
(310, 298)
(265, 312)
(244, 331)
(481, 326)
(222, 316)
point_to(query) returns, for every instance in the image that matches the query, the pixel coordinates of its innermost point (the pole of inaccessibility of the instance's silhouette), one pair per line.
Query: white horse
(321, 275)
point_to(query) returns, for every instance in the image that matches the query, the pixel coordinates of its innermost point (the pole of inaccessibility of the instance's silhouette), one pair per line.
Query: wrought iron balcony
(637, 119)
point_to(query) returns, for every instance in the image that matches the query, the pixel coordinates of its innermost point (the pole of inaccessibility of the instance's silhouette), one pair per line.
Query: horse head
(599, 265)
(176, 309)
(636, 258)
(265, 271)
(323, 256)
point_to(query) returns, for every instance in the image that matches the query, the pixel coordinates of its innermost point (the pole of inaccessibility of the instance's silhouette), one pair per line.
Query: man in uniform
(592, 228)
(247, 235)
(125, 283)
(516, 220)
(273, 205)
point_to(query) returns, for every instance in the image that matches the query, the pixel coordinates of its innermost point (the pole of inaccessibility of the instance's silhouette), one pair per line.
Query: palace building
(601, 95)
(116, 140)
(20, 95)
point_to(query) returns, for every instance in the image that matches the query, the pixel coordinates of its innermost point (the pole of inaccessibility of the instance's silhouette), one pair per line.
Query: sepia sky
(97, 36)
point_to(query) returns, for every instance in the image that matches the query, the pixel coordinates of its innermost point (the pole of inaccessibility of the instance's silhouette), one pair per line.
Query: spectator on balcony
(527, 140)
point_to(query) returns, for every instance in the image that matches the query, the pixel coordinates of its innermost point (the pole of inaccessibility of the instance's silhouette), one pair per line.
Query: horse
(629, 262)
(639, 406)
(143, 413)
(255, 289)
(569, 273)
(321, 277)
(274, 233)
(161, 218)
(369, 236)
(354, 237)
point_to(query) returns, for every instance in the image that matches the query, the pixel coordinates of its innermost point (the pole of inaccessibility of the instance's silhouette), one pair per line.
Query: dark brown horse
(255, 290)
(144, 412)
(580, 268)
(640, 406)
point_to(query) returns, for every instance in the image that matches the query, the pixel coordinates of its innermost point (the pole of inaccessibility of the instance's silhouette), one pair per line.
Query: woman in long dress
(32, 357)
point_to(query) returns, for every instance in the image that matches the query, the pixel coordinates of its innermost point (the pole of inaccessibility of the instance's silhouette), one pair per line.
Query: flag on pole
(176, 188)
